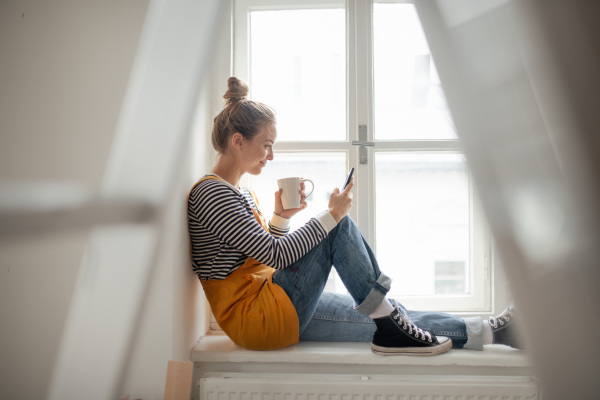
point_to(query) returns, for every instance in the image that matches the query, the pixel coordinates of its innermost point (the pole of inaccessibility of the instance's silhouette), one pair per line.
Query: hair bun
(236, 90)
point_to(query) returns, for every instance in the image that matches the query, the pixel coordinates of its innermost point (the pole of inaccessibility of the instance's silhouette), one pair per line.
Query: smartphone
(348, 178)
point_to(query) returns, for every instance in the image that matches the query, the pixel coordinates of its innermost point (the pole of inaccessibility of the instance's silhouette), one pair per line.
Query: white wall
(64, 67)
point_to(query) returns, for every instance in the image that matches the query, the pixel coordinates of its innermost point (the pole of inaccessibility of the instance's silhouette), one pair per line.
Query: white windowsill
(220, 349)
(217, 359)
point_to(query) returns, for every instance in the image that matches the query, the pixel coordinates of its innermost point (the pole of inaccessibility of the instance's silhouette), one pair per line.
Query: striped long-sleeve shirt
(224, 232)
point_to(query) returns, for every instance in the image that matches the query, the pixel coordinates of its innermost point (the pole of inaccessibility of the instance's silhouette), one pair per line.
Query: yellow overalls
(253, 311)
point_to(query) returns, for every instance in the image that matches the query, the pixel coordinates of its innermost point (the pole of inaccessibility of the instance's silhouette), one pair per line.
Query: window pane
(326, 170)
(449, 277)
(298, 66)
(422, 222)
(409, 100)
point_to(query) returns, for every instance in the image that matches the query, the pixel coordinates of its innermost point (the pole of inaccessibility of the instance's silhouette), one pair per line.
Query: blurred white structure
(523, 86)
(155, 124)
(127, 215)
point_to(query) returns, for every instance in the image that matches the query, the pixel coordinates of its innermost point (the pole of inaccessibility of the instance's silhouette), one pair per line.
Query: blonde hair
(239, 115)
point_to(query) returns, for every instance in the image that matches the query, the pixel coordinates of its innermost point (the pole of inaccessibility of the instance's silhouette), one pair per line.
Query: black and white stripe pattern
(224, 233)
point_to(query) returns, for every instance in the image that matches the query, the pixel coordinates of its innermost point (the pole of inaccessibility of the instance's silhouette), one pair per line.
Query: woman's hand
(341, 203)
(292, 211)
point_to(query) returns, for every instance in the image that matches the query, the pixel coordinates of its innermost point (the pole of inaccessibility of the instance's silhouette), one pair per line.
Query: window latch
(363, 143)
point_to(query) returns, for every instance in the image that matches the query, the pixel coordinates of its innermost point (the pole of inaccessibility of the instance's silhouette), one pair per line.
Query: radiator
(242, 386)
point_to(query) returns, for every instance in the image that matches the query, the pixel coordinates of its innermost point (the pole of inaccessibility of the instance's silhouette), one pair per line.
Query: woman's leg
(356, 265)
(345, 249)
(465, 333)
(336, 320)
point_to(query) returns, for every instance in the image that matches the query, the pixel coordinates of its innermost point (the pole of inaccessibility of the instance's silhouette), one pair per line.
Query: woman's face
(257, 151)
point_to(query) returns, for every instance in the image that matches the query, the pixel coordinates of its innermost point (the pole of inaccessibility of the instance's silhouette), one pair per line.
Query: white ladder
(126, 214)
(520, 78)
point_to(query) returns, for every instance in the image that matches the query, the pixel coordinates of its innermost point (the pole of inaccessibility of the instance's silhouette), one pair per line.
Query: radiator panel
(239, 386)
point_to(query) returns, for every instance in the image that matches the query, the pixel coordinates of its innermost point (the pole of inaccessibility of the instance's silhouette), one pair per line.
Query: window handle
(363, 143)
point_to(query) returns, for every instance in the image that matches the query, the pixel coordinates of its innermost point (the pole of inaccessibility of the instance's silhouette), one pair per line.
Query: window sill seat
(213, 353)
(217, 357)
(220, 349)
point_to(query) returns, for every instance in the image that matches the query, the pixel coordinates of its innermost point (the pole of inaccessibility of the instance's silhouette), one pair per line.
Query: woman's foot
(503, 328)
(397, 335)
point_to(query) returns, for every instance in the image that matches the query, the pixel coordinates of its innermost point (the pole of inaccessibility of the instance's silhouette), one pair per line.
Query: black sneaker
(397, 335)
(503, 328)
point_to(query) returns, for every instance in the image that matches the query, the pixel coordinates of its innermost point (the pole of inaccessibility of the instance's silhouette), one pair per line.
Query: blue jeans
(325, 316)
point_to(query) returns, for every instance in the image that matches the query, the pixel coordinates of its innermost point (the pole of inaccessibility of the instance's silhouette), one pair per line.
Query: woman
(265, 285)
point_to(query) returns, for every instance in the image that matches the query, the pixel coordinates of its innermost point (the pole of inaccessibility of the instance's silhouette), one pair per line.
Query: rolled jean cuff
(474, 333)
(375, 296)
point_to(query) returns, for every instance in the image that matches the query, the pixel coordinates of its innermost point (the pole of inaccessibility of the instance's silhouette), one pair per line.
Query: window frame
(359, 18)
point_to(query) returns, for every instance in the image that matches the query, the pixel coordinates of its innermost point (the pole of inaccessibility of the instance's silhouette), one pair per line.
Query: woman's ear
(236, 141)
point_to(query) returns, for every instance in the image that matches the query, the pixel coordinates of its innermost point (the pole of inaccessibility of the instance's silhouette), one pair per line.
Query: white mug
(290, 196)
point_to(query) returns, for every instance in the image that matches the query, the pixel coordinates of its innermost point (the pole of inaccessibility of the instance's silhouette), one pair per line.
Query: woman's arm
(222, 211)
(279, 226)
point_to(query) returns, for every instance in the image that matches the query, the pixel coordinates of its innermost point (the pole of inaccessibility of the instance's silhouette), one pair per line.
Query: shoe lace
(500, 320)
(402, 317)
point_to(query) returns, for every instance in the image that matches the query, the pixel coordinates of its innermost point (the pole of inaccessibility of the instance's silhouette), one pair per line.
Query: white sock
(382, 310)
(488, 335)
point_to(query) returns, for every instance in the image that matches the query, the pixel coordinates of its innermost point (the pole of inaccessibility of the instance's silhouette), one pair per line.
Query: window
(297, 61)
(338, 73)
(450, 277)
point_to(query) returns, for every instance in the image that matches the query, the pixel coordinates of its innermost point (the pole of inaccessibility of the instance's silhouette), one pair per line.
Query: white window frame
(491, 287)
